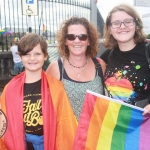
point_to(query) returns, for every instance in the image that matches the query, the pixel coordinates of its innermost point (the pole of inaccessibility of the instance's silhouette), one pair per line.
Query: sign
(142, 3)
(3, 123)
(30, 7)
(146, 15)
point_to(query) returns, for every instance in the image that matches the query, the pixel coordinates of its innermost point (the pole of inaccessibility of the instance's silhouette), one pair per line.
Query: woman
(127, 76)
(78, 69)
(38, 116)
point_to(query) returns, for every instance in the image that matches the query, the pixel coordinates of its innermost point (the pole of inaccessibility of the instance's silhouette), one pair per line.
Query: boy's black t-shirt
(32, 107)
(32, 110)
(127, 75)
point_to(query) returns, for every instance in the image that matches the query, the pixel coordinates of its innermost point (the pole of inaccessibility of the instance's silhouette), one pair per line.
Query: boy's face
(34, 60)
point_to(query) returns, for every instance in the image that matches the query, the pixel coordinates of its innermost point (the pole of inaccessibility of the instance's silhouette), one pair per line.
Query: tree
(148, 36)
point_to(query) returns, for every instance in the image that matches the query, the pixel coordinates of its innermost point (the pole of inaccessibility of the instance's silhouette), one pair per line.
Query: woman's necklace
(78, 73)
(77, 66)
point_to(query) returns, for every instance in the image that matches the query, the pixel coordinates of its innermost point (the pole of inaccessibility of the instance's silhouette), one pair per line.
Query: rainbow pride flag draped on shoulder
(107, 124)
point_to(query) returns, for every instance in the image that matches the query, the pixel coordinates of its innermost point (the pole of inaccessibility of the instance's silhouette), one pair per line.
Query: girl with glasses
(78, 69)
(127, 73)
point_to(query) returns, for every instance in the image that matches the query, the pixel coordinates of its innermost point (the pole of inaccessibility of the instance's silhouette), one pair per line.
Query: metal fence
(50, 14)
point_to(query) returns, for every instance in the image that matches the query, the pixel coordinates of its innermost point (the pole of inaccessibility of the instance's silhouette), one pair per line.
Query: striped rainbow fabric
(44, 28)
(107, 124)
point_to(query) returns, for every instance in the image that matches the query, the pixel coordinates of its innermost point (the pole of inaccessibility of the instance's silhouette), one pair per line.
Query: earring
(86, 47)
(137, 30)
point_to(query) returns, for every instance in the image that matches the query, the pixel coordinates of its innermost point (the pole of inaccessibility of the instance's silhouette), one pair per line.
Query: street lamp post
(40, 21)
(29, 23)
(29, 8)
(93, 12)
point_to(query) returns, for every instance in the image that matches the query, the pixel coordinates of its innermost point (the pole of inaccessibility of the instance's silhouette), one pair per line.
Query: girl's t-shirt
(127, 75)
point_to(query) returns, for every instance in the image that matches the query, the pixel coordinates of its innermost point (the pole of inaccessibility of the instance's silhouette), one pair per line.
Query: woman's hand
(146, 109)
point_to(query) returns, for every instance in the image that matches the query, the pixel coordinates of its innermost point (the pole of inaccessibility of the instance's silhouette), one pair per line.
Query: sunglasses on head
(72, 37)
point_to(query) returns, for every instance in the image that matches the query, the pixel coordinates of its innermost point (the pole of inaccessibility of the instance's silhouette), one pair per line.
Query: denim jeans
(18, 66)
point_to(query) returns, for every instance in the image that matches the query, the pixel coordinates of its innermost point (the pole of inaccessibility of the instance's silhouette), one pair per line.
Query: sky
(105, 7)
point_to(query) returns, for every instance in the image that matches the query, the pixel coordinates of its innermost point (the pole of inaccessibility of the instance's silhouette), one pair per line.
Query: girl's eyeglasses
(117, 24)
(72, 37)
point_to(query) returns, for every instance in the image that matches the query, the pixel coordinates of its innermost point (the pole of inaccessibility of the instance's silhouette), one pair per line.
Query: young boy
(36, 106)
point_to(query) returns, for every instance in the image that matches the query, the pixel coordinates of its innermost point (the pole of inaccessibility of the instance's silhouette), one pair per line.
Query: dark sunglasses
(82, 37)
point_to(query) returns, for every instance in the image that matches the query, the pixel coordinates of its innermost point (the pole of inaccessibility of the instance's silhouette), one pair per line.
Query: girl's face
(78, 45)
(34, 60)
(123, 27)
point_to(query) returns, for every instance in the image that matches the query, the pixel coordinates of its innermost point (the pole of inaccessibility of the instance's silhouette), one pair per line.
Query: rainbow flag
(108, 124)
(44, 28)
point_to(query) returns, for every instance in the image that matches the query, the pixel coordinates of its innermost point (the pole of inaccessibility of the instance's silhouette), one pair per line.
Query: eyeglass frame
(123, 23)
(75, 36)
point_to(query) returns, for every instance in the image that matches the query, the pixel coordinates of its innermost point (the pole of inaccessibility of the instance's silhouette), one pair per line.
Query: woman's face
(77, 46)
(123, 33)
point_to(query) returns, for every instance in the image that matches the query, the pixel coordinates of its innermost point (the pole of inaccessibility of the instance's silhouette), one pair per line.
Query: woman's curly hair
(139, 36)
(93, 35)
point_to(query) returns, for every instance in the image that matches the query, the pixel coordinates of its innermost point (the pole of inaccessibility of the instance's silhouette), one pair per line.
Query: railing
(51, 14)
